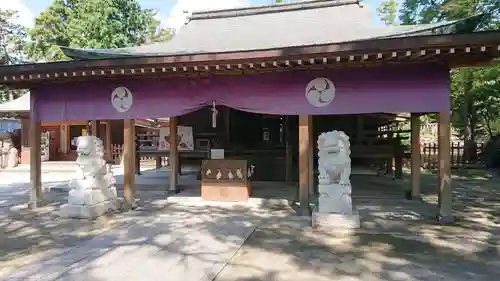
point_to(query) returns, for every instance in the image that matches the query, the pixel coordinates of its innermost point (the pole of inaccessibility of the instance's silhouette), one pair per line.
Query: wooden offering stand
(225, 180)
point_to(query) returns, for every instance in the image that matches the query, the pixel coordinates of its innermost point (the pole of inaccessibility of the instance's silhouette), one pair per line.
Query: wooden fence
(117, 154)
(429, 154)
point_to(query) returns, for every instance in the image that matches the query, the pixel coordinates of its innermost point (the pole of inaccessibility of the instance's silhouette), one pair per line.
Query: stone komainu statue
(93, 191)
(9, 154)
(334, 161)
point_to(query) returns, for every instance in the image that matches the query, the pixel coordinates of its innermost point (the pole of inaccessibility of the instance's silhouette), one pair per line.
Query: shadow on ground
(194, 242)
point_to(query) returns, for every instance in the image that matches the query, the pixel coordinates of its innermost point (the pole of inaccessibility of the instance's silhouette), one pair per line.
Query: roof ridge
(270, 8)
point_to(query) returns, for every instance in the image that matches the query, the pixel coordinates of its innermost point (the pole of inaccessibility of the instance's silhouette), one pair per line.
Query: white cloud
(177, 17)
(25, 16)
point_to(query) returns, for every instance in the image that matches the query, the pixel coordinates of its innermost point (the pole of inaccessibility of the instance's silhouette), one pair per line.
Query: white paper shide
(334, 185)
(93, 192)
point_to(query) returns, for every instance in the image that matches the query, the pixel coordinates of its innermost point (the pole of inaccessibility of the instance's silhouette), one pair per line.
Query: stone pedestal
(331, 222)
(89, 211)
(334, 211)
(89, 204)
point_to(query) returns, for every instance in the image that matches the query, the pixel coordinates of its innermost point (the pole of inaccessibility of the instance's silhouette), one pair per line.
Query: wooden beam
(128, 163)
(25, 140)
(94, 127)
(415, 156)
(46, 72)
(36, 195)
(174, 156)
(304, 160)
(360, 123)
(137, 162)
(389, 162)
(445, 189)
(228, 125)
(108, 141)
(312, 191)
(288, 151)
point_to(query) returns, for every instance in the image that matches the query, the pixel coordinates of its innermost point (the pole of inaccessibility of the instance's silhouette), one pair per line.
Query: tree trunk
(470, 151)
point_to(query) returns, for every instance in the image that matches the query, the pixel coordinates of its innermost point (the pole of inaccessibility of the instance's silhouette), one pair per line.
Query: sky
(170, 12)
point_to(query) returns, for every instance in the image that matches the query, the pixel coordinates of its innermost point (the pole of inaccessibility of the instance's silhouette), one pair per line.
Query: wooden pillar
(108, 141)
(94, 127)
(137, 162)
(228, 126)
(398, 159)
(128, 163)
(312, 191)
(25, 141)
(304, 160)
(445, 196)
(288, 152)
(389, 162)
(174, 156)
(415, 156)
(360, 127)
(36, 194)
(88, 128)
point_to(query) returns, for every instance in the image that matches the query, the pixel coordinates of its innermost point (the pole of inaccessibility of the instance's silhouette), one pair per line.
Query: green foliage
(475, 92)
(426, 11)
(11, 45)
(92, 24)
(388, 11)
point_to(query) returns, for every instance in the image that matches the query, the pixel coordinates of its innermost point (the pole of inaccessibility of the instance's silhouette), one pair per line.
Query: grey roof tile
(305, 23)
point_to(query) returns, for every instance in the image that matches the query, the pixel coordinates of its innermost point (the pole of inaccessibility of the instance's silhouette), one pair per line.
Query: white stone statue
(8, 159)
(93, 192)
(334, 185)
(334, 162)
(13, 158)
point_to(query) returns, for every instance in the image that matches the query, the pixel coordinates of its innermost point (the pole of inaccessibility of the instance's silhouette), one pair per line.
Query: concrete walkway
(184, 243)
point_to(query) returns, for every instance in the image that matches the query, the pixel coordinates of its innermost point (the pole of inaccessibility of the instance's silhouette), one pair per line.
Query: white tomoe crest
(320, 92)
(122, 99)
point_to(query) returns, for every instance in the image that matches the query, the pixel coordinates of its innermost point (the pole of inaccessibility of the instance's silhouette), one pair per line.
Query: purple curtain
(411, 88)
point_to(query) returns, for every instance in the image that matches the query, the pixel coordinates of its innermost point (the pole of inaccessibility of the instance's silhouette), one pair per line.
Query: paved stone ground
(192, 242)
(398, 241)
(186, 243)
(26, 235)
(289, 251)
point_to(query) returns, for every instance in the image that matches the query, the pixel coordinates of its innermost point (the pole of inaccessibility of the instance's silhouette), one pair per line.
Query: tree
(156, 33)
(11, 45)
(92, 24)
(475, 92)
(387, 11)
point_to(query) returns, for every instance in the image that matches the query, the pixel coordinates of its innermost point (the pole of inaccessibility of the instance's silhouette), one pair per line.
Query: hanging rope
(214, 115)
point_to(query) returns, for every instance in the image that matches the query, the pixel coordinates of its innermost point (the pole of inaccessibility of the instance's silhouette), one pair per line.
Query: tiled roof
(304, 23)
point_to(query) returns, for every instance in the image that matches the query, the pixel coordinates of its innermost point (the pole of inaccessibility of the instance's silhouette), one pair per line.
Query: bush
(491, 152)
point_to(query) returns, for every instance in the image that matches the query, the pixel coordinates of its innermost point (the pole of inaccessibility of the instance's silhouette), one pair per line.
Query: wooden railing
(429, 154)
(117, 155)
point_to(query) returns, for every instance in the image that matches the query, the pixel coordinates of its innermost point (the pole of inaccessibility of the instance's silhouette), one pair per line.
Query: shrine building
(254, 80)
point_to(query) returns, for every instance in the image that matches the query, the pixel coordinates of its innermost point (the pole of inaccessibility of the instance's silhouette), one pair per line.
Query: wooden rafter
(456, 50)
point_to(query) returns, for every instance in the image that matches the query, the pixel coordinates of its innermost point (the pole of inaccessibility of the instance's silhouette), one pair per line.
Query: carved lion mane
(334, 163)
(89, 146)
